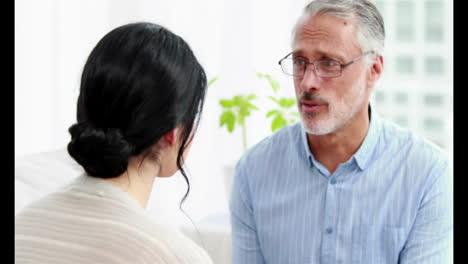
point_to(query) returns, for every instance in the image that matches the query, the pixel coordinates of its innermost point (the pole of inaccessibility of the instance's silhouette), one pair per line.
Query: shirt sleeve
(245, 244)
(430, 239)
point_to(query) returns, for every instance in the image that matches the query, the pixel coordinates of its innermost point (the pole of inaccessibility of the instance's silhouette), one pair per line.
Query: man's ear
(375, 71)
(171, 137)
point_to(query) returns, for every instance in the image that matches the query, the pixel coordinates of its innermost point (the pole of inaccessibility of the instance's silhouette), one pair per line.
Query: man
(343, 185)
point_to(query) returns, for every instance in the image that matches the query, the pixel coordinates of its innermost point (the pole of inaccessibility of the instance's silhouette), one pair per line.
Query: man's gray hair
(368, 20)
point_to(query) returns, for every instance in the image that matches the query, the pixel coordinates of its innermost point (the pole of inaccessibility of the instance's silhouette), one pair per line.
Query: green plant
(235, 110)
(212, 80)
(282, 114)
(239, 107)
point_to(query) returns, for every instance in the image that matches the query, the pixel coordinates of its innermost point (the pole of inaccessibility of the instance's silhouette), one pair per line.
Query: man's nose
(310, 80)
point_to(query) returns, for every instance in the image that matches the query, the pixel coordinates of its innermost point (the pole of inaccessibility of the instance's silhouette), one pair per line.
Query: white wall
(52, 42)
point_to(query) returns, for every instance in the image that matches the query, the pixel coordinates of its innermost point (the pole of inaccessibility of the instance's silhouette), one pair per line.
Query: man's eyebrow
(330, 55)
(333, 56)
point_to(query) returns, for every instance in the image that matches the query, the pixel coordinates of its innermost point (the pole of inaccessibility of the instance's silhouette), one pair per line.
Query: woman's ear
(171, 137)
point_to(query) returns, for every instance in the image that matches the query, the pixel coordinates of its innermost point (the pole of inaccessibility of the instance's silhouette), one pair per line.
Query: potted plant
(237, 109)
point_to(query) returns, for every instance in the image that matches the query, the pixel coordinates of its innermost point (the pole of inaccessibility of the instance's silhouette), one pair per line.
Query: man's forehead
(324, 26)
(323, 34)
(327, 17)
(326, 22)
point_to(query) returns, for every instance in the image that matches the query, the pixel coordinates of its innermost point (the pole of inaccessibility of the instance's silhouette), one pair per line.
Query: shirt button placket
(328, 249)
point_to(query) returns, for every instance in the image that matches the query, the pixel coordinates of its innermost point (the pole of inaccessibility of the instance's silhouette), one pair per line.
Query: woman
(141, 96)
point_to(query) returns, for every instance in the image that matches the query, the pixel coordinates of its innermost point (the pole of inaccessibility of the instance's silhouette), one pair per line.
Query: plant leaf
(238, 100)
(225, 116)
(272, 112)
(226, 103)
(251, 106)
(244, 112)
(278, 122)
(252, 97)
(231, 124)
(273, 83)
(210, 82)
(229, 119)
(295, 114)
(273, 99)
(287, 102)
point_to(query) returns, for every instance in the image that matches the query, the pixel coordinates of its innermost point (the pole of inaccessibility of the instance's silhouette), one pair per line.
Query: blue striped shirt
(391, 202)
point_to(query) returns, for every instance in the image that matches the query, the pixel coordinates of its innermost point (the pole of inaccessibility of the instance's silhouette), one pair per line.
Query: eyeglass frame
(342, 66)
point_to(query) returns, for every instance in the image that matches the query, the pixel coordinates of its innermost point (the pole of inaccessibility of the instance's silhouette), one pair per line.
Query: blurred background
(234, 41)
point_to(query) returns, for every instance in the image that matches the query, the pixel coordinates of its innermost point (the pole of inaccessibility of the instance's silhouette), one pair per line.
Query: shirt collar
(305, 145)
(365, 151)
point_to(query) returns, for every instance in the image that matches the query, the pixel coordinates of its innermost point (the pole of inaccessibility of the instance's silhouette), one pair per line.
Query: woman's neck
(137, 181)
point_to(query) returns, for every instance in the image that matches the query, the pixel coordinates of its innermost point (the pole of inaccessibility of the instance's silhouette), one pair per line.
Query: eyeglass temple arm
(355, 59)
(279, 62)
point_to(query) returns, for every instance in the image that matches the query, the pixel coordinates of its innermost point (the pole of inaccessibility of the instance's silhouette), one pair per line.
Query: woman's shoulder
(77, 218)
(169, 241)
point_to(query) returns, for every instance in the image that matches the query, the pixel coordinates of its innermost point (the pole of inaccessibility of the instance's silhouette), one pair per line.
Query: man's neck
(338, 147)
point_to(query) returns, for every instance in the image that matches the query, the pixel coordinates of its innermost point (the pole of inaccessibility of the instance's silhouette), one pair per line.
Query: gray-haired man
(343, 185)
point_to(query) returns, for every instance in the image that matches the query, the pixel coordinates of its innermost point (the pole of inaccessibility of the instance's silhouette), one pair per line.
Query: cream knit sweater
(92, 221)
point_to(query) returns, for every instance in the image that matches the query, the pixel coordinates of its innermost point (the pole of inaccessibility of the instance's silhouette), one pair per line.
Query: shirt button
(333, 181)
(329, 230)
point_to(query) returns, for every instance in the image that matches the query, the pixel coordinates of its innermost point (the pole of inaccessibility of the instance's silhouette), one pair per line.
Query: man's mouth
(312, 106)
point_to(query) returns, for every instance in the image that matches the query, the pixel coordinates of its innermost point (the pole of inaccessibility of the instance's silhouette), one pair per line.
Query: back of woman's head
(139, 82)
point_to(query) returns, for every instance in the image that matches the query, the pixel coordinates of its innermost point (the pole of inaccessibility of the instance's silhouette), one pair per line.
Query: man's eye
(299, 62)
(329, 63)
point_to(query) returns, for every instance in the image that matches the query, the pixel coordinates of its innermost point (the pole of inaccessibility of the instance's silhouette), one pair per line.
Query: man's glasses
(323, 68)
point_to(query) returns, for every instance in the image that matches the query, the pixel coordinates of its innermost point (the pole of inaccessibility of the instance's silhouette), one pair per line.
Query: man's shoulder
(414, 146)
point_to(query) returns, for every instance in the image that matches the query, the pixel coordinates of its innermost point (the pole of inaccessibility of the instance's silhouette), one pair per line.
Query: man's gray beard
(320, 129)
(316, 131)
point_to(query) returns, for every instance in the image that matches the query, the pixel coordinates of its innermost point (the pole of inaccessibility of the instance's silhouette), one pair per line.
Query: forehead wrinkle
(312, 34)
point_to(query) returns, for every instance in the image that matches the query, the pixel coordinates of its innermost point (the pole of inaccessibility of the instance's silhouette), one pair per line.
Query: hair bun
(102, 153)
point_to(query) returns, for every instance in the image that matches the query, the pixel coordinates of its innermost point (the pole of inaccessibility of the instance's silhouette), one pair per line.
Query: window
(404, 19)
(401, 98)
(379, 97)
(434, 21)
(434, 65)
(404, 65)
(433, 124)
(401, 120)
(433, 100)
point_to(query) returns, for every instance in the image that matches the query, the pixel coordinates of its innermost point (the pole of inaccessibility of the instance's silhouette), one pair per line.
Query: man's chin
(315, 126)
(318, 132)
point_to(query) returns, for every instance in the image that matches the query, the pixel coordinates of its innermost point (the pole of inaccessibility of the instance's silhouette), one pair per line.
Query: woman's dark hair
(139, 82)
